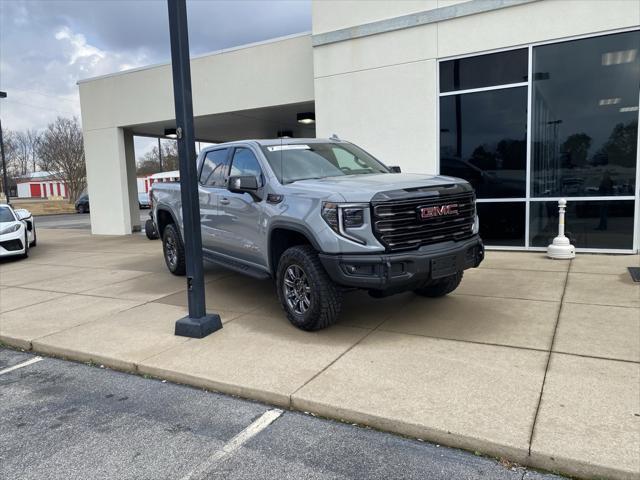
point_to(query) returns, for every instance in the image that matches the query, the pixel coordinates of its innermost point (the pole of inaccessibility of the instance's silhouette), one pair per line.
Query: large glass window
(580, 102)
(484, 70)
(483, 138)
(588, 224)
(585, 123)
(502, 224)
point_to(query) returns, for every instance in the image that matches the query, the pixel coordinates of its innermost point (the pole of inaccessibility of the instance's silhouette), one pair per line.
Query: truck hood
(361, 188)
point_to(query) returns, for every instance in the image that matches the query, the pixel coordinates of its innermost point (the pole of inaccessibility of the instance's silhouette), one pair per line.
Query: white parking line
(20, 365)
(266, 419)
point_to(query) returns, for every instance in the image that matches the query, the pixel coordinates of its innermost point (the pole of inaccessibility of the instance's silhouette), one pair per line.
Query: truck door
(211, 184)
(240, 214)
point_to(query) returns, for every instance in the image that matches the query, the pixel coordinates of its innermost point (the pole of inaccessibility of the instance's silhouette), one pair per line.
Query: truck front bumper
(396, 272)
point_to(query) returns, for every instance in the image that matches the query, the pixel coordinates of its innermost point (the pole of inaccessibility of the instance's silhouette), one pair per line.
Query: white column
(107, 181)
(132, 180)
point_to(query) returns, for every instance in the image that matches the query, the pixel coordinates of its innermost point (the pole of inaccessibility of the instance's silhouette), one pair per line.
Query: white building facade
(530, 100)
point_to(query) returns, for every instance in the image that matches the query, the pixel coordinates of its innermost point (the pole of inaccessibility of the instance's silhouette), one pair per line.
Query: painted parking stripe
(266, 419)
(20, 365)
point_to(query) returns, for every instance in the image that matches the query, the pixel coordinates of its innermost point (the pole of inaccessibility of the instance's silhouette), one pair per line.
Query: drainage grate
(635, 273)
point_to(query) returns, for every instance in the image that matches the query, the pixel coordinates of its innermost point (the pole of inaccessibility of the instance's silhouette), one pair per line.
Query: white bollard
(561, 248)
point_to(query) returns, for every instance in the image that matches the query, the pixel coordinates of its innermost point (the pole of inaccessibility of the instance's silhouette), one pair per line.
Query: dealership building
(529, 100)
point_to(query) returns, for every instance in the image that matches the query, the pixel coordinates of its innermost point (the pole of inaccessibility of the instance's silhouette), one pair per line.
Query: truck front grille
(398, 224)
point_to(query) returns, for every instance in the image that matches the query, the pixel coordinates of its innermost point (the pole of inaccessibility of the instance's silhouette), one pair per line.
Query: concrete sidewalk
(534, 360)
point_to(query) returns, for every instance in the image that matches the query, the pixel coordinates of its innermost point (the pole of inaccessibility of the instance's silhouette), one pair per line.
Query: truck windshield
(294, 162)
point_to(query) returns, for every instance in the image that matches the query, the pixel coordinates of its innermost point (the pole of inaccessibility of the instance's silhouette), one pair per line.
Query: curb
(565, 466)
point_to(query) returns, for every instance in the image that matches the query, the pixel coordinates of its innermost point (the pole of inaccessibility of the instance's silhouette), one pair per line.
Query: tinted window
(214, 168)
(245, 163)
(484, 70)
(483, 140)
(588, 224)
(6, 215)
(585, 116)
(502, 224)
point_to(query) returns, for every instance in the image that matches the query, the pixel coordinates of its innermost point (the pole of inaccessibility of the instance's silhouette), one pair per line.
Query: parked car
(82, 203)
(322, 217)
(17, 231)
(143, 200)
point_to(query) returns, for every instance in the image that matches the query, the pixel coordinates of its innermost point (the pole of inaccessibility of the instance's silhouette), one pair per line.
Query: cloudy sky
(46, 46)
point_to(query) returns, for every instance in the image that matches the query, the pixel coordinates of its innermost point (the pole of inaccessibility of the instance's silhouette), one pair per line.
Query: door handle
(224, 201)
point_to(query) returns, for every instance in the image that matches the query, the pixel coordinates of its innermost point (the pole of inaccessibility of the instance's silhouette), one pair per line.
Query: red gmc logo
(439, 211)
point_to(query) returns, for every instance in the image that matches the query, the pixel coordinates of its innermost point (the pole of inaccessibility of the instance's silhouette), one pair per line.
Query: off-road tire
(440, 287)
(325, 296)
(172, 243)
(150, 230)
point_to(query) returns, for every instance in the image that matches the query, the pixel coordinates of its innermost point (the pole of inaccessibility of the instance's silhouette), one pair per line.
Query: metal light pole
(197, 324)
(5, 183)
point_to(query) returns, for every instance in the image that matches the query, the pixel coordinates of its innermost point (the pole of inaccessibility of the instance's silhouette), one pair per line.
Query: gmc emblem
(438, 211)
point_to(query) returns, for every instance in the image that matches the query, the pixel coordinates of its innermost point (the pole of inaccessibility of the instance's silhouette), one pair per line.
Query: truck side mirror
(243, 184)
(395, 169)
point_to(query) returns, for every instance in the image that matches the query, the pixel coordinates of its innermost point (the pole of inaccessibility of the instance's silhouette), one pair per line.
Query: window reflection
(483, 140)
(588, 224)
(489, 70)
(585, 116)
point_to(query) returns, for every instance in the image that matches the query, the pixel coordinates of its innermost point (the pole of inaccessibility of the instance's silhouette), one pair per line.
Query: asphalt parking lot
(524, 361)
(67, 420)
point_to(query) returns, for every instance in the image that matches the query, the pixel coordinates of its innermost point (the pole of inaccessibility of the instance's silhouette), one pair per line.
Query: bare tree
(62, 146)
(149, 163)
(21, 154)
(33, 140)
(8, 139)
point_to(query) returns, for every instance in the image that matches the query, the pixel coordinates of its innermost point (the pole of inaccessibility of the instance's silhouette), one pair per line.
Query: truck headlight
(343, 216)
(476, 225)
(11, 229)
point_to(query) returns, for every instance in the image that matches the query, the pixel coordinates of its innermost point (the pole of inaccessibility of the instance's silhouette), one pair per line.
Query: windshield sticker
(278, 148)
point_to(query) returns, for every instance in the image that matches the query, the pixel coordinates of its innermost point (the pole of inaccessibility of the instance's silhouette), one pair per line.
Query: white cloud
(47, 46)
(81, 49)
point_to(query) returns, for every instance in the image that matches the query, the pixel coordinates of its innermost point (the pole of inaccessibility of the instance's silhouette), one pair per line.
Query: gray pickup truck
(321, 217)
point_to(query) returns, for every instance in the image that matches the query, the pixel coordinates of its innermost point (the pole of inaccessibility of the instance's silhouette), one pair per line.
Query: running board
(236, 266)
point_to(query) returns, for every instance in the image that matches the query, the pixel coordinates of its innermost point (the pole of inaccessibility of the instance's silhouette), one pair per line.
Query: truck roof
(277, 141)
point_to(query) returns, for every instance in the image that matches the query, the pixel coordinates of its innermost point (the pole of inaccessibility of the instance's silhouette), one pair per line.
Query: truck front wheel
(308, 296)
(173, 250)
(440, 287)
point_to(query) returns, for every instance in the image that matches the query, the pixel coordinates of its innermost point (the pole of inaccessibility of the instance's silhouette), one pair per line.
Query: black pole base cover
(198, 327)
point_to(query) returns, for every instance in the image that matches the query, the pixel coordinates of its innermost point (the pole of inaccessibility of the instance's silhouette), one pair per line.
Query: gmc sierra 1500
(322, 216)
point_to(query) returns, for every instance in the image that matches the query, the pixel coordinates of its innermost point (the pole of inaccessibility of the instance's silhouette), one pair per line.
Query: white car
(17, 231)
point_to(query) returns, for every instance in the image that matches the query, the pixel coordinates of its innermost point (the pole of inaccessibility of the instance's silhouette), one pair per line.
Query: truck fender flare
(302, 229)
(162, 208)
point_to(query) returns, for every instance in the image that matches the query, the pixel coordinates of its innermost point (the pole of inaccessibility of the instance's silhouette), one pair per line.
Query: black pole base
(198, 327)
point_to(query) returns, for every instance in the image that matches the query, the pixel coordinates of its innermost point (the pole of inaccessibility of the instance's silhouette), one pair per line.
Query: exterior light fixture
(619, 57)
(609, 101)
(306, 118)
(170, 133)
